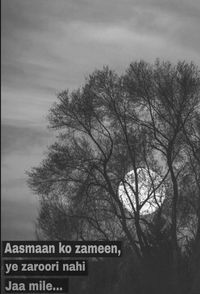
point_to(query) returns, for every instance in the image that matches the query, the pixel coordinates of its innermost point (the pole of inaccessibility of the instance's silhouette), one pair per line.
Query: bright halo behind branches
(151, 191)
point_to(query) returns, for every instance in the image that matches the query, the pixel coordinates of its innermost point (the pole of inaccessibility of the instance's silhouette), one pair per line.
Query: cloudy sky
(48, 46)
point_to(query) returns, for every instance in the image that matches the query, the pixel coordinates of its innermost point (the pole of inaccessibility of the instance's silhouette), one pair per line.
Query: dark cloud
(39, 41)
(48, 46)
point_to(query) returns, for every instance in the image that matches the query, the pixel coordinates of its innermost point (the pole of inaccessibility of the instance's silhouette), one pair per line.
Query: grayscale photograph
(100, 128)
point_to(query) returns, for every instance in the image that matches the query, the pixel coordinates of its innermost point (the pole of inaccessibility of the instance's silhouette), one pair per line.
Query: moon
(151, 191)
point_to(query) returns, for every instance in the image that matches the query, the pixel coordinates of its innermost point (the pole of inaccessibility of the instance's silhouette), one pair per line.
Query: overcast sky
(48, 46)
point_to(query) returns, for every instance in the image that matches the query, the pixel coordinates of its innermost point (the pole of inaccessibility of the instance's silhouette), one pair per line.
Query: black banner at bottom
(36, 285)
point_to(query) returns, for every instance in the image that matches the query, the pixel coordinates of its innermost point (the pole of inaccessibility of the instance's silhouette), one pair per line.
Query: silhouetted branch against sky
(138, 124)
(48, 46)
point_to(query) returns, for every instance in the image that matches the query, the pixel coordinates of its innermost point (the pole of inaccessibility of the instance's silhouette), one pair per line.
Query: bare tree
(145, 119)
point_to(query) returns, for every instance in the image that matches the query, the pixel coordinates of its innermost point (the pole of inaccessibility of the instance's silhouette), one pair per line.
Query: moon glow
(151, 191)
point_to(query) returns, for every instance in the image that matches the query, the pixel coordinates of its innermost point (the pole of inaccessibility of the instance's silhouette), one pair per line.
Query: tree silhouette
(147, 119)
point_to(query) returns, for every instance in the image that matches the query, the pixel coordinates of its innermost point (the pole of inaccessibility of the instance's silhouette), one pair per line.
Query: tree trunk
(175, 255)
